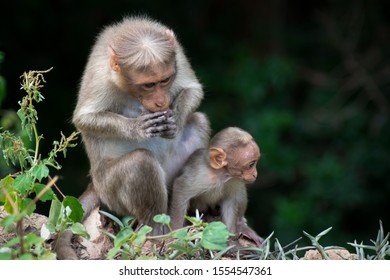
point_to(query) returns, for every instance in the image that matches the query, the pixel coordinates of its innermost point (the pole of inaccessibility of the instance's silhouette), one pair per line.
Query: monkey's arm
(233, 210)
(189, 92)
(185, 103)
(113, 125)
(234, 206)
(179, 204)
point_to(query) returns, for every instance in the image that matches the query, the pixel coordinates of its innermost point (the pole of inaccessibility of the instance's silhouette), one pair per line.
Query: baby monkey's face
(242, 162)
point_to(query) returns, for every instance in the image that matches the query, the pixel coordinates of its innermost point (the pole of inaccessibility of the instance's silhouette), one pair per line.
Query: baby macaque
(216, 178)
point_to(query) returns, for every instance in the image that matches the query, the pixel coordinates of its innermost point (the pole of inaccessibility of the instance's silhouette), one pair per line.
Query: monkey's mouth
(249, 181)
(148, 111)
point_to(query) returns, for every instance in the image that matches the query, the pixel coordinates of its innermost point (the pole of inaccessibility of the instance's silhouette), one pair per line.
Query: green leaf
(194, 220)
(77, 212)
(48, 195)
(21, 114)
(8, 205)
(179, 247)
(23, 183)
(54, 213)
(32, 238)
(7, 221)
(26, 257)
(162, 219)
(22, 161)
(145, 230)
(141, 235)
(112, 217)
(215, 236)
(26, 202)
(79, 229)
(126, 220)
(181, 234)
(122, 236)
(145, 258)
(13, 242)
(113, 251)
(5, 183)
(6, 254)
(40, 171)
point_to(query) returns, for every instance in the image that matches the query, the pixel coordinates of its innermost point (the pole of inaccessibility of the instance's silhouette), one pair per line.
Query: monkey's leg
(134, 184)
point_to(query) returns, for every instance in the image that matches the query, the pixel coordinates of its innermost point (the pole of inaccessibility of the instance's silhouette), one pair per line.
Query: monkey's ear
(113, 59)
(217, 158)
(171, 36)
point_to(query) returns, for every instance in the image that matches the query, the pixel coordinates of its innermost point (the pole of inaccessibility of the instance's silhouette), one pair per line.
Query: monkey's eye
(165, 81)
(252, 164)
(149, 85)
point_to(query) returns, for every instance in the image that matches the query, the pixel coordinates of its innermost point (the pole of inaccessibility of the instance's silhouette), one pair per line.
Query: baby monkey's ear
(217, 158)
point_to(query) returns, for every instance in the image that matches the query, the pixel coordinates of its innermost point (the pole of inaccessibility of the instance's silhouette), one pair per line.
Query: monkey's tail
(64, 248)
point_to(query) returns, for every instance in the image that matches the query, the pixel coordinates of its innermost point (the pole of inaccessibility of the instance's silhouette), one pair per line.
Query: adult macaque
(135, 111)
(216, 177)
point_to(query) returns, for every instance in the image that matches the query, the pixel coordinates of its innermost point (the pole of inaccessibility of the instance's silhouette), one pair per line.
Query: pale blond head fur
(140, 42)
(230, 137)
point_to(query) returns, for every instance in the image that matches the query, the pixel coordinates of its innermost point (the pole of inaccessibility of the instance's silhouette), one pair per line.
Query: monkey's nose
(161, 105)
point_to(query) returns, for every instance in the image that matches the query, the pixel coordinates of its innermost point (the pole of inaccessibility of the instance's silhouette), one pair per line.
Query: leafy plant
(19, 192)
(191, 242)
(380, 246)
(287, 252)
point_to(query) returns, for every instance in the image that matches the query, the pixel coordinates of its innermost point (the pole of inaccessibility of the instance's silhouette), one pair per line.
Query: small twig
(55, 185)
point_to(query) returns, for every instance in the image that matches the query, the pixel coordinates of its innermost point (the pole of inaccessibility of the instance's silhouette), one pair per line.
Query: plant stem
(36, 144)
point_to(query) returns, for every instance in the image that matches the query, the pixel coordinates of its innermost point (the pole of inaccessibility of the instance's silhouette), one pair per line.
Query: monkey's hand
(252, 235)
(158, 124)
(171, 126)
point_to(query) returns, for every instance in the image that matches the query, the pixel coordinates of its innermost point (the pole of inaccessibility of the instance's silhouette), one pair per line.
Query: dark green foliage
(320, 113)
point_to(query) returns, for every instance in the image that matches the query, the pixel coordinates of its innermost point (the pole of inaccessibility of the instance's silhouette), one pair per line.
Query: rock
(334, 254)
(99, 243)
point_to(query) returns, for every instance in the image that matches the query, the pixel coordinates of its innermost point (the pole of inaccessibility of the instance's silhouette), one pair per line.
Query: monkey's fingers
(154, 121)
(155, 115)
(253, 237)
(169, 113)
(160, 130)
(171, 133)
(171, 120)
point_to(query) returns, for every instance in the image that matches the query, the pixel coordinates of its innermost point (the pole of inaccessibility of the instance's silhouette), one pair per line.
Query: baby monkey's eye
(252, 164)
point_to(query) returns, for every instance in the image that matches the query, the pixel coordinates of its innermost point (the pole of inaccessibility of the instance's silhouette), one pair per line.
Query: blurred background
(309, 80)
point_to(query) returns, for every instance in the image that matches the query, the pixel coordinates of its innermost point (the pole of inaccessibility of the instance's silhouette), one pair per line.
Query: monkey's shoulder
(196, 168)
